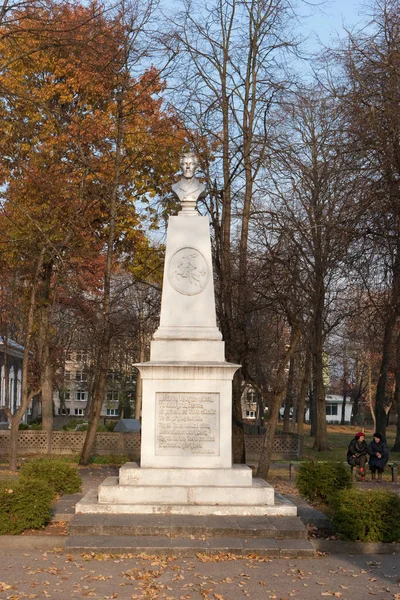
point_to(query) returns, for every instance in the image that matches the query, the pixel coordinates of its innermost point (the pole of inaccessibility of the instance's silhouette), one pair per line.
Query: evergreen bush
(367, 515)
(24, 504)
(61, 476)
(318, 481)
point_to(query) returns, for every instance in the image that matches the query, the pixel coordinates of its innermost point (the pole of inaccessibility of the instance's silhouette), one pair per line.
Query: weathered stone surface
(132, 474)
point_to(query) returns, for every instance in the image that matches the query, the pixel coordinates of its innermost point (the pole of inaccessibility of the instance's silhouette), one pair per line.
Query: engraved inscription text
(187, 424)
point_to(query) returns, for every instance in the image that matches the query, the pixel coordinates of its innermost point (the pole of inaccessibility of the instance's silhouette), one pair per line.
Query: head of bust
(188, 164)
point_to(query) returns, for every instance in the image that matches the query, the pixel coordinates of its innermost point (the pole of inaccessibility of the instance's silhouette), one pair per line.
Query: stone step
(112, 492)
(237, 476)
(185, 526)
(90, 504)
(169, 546)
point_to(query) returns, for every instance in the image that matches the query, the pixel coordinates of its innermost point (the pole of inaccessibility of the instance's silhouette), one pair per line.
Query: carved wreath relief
(188, 271)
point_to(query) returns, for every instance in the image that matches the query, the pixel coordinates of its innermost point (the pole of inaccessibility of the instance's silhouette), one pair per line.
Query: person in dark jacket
(357, 453)
(378, 456)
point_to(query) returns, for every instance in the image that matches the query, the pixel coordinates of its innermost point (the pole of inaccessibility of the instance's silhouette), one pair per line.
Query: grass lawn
(339, 437)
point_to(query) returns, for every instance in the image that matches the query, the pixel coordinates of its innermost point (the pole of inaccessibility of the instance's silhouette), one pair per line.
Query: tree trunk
(305, 384)
(26, 394)
(98, 399)
(313, 412)
(269, 438)
(345, 378)
(275, 404)
(321, 432)
(289, 397)
(380, 398)
(13, 448)
(139, 386)
(238, 448)
(396, 445)
(46, 373)
(47, 398)
(392, 314)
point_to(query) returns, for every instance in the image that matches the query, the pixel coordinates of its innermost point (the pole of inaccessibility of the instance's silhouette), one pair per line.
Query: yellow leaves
(4, 586)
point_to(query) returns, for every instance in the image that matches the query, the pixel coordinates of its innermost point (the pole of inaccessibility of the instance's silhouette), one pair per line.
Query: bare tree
(371, 61)
(313, 204)
(229, 78)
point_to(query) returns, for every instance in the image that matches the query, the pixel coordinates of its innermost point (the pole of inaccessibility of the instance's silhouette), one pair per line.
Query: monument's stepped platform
(178, 535)
(90, 503)
(238, 475)
(113, 492)
(175, 491)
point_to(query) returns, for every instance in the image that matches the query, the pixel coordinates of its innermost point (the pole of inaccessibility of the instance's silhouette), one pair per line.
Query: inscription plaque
(187, 424)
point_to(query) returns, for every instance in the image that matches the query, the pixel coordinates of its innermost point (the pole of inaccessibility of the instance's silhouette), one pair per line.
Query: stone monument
(186, 456)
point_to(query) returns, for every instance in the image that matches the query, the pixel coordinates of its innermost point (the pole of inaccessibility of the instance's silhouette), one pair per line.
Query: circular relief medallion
(188, 271)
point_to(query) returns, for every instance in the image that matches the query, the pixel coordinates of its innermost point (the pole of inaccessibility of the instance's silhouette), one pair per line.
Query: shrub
(369, 516)
(318, 481)
(24, 504)
(70, 426)
(61, 476)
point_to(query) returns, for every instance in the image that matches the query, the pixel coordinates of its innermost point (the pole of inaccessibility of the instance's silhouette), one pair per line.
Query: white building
(15, 355)
(334, 409)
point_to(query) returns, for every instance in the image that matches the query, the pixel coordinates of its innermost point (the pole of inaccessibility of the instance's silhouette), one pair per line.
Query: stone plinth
(186, 417)
(238, 475)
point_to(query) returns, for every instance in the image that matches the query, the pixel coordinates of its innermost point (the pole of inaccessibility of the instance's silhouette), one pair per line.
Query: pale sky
(327, 20)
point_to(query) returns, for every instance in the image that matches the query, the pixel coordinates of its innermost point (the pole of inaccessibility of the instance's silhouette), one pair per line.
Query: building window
(113, 375)
(331, 409)
(250, 414)
(81, 357)
(81, 395)
(112, 412)
(64, 411)
(68, 356)
(65, 396)
(78, 412)
(81, 376)
(130, 378)
(251, 396)
(112, 397)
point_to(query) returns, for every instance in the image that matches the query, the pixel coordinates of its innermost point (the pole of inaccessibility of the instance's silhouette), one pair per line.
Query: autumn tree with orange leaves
(86, 142)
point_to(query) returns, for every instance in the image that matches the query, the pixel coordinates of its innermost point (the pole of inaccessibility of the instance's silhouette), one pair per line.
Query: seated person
(357, 453)
(378, 456)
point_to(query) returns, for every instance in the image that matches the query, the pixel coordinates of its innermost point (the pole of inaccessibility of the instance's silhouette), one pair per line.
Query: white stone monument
(186, 455)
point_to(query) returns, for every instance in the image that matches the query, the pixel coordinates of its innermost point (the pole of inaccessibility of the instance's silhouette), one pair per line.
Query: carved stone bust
(189, 189)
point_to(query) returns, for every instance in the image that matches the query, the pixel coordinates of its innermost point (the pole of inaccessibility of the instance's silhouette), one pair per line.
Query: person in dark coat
(357, 453)
(378, 456)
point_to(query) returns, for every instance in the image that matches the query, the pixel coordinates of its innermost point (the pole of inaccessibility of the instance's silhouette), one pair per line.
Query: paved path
(58, 576)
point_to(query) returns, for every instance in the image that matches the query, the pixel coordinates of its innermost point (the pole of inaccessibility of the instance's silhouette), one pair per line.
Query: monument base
(184, 492)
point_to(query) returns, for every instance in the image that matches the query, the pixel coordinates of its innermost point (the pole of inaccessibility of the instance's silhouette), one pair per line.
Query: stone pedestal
(186, 453)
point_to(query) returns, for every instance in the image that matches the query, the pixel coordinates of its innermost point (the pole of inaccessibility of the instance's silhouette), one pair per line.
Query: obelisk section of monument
(188, 327)
(187, 385)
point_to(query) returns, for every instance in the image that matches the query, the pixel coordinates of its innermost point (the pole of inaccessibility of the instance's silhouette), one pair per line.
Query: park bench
(392, 466)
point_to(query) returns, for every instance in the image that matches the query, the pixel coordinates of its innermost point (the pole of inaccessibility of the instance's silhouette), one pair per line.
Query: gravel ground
(58, 576)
